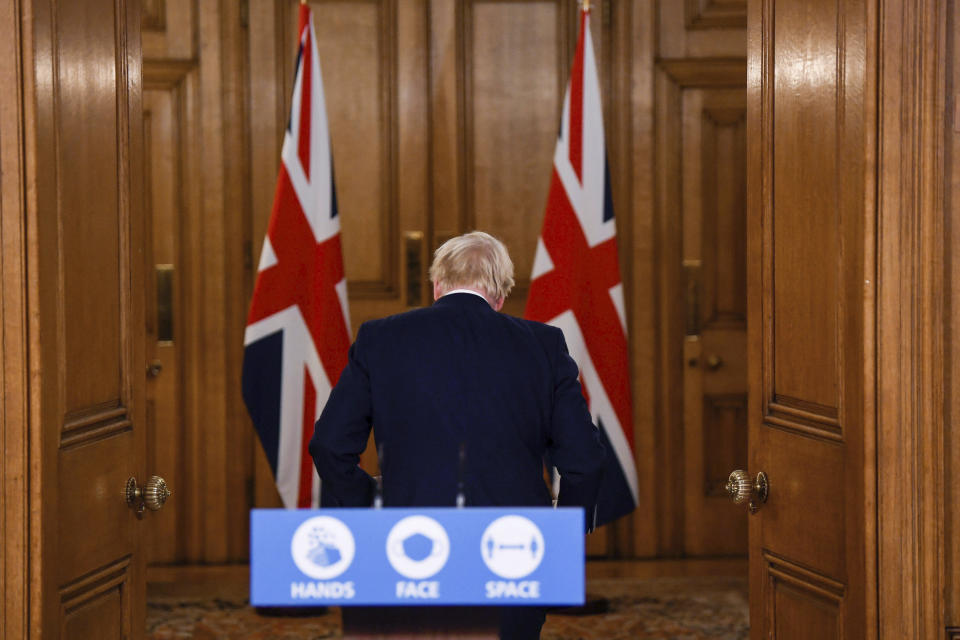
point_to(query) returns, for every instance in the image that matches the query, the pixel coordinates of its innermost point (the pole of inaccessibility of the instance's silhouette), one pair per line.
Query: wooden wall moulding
(953, 633)
(154, 15)
(808, 418)
(705, 72)
(95, 424)
(166, 74)
(912, 361)
(715, 14)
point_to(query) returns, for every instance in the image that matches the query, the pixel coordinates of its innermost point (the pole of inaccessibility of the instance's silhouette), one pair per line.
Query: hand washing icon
(323, 552)
(418, 547)
(322, 547)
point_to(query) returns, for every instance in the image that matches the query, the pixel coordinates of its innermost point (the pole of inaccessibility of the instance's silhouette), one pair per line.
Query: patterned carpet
(681, 608)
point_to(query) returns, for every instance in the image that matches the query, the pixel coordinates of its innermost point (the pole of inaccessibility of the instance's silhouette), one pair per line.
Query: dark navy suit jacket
(455, 373)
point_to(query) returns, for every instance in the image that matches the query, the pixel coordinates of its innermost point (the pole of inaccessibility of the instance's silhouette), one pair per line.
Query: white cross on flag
(298, 330)
(576, 283)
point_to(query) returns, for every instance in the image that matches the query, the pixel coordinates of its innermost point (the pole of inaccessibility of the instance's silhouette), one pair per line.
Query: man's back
(458, 392)
(451, 377)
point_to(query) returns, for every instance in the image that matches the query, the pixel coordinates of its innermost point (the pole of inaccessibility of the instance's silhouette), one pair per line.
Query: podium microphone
(461, 496)
(378, 491)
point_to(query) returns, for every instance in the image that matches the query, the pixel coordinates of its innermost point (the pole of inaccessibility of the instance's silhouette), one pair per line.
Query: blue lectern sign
(476, 556)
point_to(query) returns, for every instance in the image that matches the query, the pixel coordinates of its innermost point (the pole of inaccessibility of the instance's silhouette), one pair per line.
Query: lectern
(434, 572)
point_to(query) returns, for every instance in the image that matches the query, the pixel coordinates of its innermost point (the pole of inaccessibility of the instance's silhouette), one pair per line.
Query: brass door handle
(754, 492)
(153, 495)
(714, 362)
(154, 369)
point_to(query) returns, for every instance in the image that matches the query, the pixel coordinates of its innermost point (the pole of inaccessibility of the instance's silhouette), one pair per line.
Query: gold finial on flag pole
(303, 1)
(585, 4)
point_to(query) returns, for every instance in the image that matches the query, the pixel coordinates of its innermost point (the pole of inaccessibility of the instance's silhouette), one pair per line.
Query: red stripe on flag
(303, 18)
(305, 490)
(581, 281)
(576, 102)
(306, 95)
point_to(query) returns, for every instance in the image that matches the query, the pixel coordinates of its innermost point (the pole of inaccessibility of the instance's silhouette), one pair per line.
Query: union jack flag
(298, 333)
(576, 283)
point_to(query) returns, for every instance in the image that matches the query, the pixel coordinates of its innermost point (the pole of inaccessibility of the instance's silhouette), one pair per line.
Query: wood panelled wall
(198, 207)
(443, 117)
(951, 441)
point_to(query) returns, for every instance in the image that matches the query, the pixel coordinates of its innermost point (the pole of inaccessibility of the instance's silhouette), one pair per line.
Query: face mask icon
(417, 547)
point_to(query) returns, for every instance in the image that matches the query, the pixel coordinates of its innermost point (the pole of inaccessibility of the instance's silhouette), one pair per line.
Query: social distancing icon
(512, 547)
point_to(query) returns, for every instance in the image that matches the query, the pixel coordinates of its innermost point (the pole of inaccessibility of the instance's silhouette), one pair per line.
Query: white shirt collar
(480, 295)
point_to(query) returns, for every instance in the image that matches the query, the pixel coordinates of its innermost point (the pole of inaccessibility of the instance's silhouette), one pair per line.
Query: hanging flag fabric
(298, 333)
(576, 282)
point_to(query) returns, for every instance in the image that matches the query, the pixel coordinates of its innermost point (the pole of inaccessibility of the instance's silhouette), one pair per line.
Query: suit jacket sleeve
(341, 434)
(574, 446)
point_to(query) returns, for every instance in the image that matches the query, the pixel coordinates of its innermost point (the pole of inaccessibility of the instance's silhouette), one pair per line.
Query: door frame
(15, 515)
(910, 331)
(911, 217)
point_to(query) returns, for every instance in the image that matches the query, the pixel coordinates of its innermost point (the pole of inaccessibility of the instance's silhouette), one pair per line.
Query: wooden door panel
(360, 102)
(800, 521)
(805, 190)
(170, 215)
(808, 316)
(165, 417)
(514, 83)
(86, 315)
(87, 148)
(93, 514)
(723, 177)
(713, 136)
(802, 608)
(99, 606)
(362, 95)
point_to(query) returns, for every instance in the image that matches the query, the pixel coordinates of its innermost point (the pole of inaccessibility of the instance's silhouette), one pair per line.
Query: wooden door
(84, 320)
(715, 345)
(169, 185)
(811, 274)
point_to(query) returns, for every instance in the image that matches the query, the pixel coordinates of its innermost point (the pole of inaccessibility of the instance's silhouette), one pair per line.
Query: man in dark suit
(461, 377)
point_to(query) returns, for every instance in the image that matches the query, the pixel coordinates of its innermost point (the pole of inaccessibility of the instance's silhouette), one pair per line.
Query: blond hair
(474, 260)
